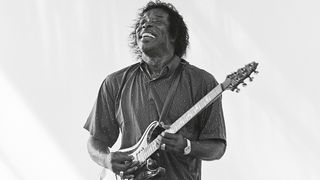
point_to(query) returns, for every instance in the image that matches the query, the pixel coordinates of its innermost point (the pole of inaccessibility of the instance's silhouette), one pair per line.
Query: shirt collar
(167, 70)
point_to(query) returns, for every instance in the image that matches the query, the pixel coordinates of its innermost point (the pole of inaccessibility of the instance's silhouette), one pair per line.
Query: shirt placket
(153, 114)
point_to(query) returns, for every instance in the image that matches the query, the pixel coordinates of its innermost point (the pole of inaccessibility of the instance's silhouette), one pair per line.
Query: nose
(147, 24)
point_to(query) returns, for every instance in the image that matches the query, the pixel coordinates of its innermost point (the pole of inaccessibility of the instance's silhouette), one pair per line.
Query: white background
(54, 55)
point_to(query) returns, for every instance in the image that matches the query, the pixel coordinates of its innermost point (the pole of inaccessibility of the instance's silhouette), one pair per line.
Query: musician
(133, 97)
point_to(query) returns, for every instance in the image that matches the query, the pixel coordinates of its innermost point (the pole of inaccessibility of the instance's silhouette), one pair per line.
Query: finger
(131, 176)
(124, 176)
(124, 156)
(164, 126)
(169, 147)
(117, 167)
(130, 170)
(170, 142)
(129, 173)
(132, 165)
(135, 163)
(169, 135)
(124, 166)
(163, 147)
(121, 157)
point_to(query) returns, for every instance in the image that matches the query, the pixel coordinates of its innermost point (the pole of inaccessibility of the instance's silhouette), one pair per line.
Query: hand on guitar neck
(172, 142)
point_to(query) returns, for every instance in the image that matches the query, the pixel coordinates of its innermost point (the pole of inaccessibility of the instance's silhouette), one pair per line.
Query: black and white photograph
(159, 90)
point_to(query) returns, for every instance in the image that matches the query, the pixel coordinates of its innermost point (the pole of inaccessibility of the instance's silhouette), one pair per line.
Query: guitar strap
(171, 92)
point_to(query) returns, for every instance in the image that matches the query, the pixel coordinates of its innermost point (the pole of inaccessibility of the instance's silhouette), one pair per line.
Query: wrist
(106, 159)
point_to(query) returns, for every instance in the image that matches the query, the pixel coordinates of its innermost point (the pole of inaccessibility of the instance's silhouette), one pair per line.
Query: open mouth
(147, 36)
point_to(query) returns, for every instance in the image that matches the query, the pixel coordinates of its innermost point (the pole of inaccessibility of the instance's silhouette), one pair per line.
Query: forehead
(156, 13)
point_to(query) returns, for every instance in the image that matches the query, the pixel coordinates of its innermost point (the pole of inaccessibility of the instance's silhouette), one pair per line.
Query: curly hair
(177, 28)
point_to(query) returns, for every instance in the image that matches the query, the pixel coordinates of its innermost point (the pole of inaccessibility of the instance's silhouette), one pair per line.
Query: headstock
(233, 80)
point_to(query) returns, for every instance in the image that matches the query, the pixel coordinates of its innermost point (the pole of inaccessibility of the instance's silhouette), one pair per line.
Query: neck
(156, 63)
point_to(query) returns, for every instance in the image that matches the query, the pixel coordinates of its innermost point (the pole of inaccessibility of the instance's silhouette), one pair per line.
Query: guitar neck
(184, 119)
(195, 109)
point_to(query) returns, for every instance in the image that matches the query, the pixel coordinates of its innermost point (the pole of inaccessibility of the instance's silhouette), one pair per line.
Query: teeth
(148, 35)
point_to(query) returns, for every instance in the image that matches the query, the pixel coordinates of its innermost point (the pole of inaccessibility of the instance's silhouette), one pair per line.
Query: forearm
(208, 149)
(98, 151)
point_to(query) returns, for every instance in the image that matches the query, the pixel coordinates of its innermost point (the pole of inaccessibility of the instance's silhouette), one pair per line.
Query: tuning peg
(237, 90)
(244, 84)
(250, 79)
(256, 72)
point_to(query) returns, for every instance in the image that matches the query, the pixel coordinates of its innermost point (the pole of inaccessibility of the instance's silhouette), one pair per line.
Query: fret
(150, 149)
(147, 151)
(140, 157)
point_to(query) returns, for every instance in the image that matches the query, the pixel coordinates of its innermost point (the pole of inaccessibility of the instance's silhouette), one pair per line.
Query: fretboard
(195, 109)
(184, 119)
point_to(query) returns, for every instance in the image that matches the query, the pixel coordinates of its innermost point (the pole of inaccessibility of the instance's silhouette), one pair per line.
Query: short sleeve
(101, 122)
(212, 119)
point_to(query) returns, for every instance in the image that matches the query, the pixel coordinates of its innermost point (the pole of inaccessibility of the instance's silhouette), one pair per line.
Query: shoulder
(113, 81)
(118, 76)
(199, 74)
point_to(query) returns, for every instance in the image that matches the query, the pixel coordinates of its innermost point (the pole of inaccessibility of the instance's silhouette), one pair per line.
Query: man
(130, 99)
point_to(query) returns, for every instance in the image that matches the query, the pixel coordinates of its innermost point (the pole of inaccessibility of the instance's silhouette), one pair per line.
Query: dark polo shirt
(129, 100)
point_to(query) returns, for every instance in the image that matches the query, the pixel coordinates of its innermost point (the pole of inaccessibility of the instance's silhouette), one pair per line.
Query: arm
(203, 149)
(98, 151)
(208, 149)
(114, 161)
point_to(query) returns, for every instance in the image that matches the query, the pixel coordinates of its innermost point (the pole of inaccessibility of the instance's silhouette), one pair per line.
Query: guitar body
(149, 168)
(153, 130)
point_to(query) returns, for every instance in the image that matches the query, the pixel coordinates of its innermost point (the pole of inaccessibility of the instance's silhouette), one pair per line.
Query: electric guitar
(149, 143)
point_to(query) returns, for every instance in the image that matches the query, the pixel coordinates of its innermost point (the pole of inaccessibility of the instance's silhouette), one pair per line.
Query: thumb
(164, 126)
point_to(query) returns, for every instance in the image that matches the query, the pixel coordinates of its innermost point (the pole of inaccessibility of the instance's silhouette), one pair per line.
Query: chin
(146, 49)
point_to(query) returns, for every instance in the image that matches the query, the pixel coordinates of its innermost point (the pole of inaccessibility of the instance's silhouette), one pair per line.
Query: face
(153, 32)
